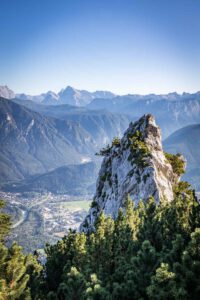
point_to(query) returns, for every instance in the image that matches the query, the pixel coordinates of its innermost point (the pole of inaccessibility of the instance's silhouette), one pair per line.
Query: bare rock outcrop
(135, 165)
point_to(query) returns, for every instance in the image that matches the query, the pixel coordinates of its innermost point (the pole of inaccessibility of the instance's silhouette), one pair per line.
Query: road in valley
(25, 210)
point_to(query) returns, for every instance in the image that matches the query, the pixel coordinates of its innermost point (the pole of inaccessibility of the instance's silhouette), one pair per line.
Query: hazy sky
(125, 46)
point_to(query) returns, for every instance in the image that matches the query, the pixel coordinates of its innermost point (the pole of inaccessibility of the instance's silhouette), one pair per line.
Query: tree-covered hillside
(149, 252)
(19, 274)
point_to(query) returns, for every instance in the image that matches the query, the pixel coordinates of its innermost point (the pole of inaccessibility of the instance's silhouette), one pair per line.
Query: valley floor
(40, 219)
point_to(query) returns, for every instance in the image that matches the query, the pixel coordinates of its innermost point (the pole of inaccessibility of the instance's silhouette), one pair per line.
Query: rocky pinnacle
(135, 165)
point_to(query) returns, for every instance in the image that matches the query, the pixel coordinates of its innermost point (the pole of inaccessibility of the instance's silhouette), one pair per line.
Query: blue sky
(125, 46)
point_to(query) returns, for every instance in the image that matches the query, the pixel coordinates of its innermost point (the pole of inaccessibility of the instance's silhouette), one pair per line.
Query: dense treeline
(149, 252)
(20, 275)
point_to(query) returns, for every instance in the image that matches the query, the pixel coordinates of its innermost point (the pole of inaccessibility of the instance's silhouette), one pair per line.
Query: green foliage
(14, 279)
(182, 187)
(163, 285)
(73, 285)
(149, 252)
(142, 266)
(177, 163)
(94, 204)
(20, 275)
(104, 151)
(68, 252)
(4, 222)
(94, 289)
(116, 142)
(139, 149)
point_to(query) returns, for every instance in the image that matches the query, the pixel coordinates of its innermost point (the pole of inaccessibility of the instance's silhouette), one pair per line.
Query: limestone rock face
(135, 165)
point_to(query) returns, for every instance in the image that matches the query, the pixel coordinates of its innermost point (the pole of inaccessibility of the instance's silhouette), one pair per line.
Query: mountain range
(68, 95)
(172, 111)
(38, 138)
(102, 125)
(34, 143)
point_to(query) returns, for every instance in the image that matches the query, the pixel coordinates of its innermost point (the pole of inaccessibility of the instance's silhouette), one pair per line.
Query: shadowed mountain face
(187, 141)
(32, 143)
(100, 124)
(38, 137)
(71, 179)
(37, 142)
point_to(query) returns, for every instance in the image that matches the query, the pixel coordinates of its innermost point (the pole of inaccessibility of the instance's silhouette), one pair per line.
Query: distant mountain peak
(50, 98)
(6, 92)
(68, 89)
(75, 97)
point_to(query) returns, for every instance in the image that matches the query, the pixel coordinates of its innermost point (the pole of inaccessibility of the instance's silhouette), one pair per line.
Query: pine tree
(102, 244)
(149, 252)
(95, 291)
(35, 271)
(132, 216)
(122, 247)
(13, 274)
(163, 285)
(68, 252)
(4, 222)
(142, 267)
(188, 270)
(73, 287)
(181, 216)
(150, 227)
(14, 277)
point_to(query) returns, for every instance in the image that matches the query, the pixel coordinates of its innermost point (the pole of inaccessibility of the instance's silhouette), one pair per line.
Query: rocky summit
(135, 165)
